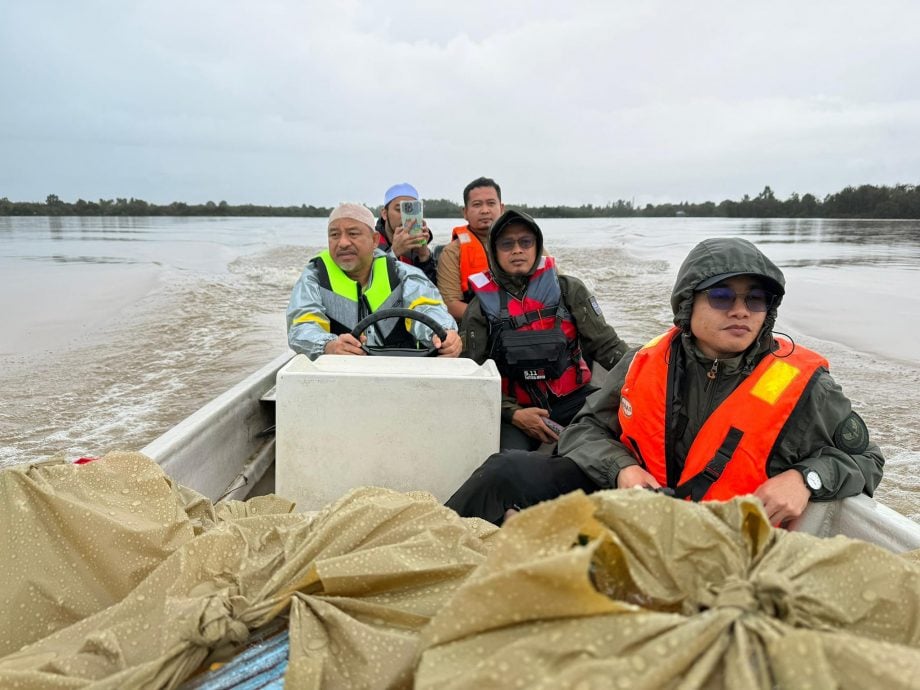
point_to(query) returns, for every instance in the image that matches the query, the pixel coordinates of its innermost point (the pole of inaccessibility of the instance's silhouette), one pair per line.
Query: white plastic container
(404, 423)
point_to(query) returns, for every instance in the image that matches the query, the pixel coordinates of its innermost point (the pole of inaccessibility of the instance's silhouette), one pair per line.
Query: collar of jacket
(744, 362)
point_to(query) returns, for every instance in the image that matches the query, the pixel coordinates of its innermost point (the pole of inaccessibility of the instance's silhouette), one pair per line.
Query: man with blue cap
(396, 240)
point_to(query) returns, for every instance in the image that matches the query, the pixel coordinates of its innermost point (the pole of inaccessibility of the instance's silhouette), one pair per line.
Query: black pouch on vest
(535, 355)
(532, 355)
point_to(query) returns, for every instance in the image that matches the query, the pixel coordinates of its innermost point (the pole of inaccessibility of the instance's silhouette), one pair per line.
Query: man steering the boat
(352, 279)
(716, 407)
(538, 326)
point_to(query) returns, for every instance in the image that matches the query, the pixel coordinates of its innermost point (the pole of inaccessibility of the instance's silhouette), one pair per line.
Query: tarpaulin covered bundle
(631, 589)
(112, 576)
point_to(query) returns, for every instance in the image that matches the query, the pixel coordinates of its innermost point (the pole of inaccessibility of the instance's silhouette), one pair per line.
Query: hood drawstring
(773, 340)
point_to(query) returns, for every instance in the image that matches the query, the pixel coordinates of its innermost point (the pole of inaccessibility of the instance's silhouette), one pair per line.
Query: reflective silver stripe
(340, 309)
(386, 327)
(345, 311)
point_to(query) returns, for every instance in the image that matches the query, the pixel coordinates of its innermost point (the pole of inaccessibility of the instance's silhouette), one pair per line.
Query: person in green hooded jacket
(716, 407)
(542, 329)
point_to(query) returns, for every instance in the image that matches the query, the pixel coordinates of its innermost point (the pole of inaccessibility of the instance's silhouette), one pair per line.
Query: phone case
(411, 211)
(556, 427)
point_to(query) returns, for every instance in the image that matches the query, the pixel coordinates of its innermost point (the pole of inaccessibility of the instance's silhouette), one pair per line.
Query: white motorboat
(227, 449)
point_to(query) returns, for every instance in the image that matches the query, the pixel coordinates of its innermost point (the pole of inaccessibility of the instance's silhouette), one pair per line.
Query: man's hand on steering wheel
(442, 335)
(450, 347)
(346, 344)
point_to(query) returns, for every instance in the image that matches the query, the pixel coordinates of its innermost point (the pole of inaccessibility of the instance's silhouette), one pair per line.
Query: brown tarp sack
(114, 577)
(631, 589)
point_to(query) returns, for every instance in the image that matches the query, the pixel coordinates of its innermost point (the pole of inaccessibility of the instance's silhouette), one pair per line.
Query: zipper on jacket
(713, 370)
(712, 375)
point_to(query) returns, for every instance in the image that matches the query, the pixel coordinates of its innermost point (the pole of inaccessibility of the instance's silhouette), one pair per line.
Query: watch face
(813, 480)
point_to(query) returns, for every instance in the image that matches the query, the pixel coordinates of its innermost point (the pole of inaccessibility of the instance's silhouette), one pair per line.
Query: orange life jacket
(729, 455)
(536, 312)
(473, 257)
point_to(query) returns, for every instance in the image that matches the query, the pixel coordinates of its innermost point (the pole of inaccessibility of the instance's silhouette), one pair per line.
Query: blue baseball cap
(401, 189)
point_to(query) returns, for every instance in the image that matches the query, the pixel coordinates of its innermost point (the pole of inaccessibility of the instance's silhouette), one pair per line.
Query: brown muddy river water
(117, 328)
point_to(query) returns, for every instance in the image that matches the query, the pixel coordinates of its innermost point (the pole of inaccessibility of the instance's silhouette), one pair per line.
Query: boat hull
(226, 447)
(227, 450)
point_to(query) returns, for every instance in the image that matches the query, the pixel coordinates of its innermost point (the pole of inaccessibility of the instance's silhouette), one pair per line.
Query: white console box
(404, 423)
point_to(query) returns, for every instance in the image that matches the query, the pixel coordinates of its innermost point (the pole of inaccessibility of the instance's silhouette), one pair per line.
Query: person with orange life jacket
(466, 253)
(535, 324)
(716, 407)
(397, 240)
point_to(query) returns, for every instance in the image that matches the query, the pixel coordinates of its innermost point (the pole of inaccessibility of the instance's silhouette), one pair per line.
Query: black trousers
(512, 438)
(517, 479)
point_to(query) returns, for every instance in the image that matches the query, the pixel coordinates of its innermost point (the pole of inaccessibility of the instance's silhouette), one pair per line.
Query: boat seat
(269, 395)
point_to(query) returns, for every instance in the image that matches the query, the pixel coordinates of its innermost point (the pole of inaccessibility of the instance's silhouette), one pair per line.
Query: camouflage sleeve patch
(595, 306)
(852, 435)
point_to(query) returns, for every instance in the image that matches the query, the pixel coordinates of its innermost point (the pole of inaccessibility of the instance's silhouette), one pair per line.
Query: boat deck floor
(259, 663)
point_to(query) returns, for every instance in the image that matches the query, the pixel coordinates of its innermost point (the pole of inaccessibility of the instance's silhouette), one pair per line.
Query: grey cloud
(289, 102)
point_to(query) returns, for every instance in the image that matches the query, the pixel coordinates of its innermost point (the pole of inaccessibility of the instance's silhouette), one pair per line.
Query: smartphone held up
(411, 212)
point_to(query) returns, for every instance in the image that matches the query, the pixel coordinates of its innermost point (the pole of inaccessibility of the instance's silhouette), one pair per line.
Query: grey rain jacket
(816, 435)
(599, 341)
(308, 299)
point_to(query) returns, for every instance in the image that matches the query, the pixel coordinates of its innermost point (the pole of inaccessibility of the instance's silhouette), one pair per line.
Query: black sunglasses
(723, 298)
(506, 244)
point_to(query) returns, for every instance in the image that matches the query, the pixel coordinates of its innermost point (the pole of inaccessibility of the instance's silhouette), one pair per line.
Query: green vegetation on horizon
(866, 201)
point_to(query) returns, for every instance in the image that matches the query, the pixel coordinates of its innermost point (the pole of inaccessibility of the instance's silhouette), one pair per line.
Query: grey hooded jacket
(822, 434)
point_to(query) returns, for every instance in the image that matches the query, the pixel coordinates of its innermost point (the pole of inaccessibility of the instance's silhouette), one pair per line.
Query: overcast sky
(290, 102)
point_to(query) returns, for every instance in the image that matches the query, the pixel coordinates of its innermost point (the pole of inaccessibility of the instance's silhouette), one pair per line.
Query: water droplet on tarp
(316, 643)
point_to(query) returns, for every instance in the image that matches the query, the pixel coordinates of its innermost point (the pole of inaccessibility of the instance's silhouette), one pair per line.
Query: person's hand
(784, 496)
(404, 243)
(530, 421)
(450, 347)
(345, 344)
(634, 475)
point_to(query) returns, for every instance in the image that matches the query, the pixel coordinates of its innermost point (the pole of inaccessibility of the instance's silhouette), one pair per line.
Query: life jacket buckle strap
(697, 486)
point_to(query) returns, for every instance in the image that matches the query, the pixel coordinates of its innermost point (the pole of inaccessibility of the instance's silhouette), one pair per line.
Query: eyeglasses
(723, 298)
(506, 244)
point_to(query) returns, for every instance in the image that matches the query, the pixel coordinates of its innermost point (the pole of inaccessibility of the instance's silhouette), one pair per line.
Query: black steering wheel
(430, 351)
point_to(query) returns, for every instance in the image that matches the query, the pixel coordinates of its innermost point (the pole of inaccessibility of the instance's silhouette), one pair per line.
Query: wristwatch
(813, 481)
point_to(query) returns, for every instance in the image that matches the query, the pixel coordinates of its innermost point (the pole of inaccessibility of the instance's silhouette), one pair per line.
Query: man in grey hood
(716, 407)
(539, 327)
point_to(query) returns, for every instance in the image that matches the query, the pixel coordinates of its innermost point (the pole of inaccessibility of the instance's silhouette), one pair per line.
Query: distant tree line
(865, 201)
(54, 206)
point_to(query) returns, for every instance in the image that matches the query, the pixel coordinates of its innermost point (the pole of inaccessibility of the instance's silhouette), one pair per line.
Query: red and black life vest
(534, 340)
(729, 455)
